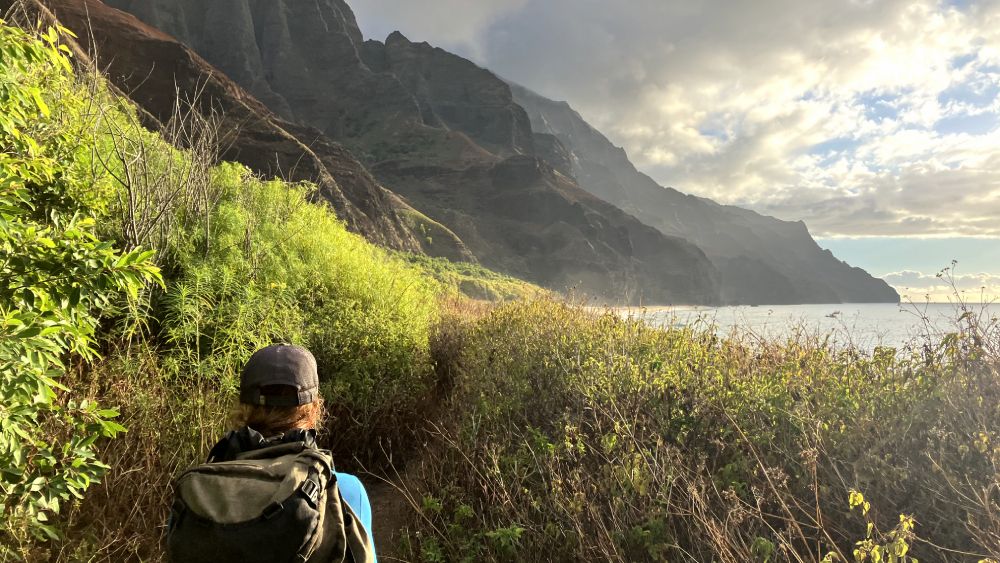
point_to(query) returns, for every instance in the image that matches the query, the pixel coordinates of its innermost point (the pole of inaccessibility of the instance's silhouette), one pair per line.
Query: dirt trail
(391, 513)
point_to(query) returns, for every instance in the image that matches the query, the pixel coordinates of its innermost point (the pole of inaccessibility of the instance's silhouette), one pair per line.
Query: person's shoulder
(348, 481)
(353, 491)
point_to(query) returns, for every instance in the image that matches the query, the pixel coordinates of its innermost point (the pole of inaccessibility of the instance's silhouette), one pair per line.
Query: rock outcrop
(762, 260)
(454, 93)
(300, 58)
(444, 134)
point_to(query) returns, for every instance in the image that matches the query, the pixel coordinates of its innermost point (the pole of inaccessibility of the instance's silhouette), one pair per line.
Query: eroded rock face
(308, 62)
(455, 93)
(550, 149)
(300, 58)
(762, 260)
(152, 67)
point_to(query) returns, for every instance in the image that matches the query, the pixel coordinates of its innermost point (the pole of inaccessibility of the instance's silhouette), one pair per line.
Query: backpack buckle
(310, 489)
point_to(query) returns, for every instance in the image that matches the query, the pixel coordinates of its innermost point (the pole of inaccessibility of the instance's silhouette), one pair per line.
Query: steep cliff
(761, 259)
(443, 133)
(300, 58)
(454, 93)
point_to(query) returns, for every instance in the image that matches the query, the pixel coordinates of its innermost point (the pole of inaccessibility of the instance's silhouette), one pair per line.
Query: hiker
(267, 493)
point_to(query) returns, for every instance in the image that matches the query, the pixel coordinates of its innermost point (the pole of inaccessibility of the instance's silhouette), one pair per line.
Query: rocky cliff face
(444, 134)
(454, 93)
(300, 58)
(152, 68)
(762, 260)
(458, 144)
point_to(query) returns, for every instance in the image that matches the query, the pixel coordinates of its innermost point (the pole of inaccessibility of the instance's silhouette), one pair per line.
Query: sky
(877, 122)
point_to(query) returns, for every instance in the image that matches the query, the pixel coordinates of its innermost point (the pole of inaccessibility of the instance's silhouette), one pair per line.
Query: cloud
(945, 285)
(456, 24)
(860, 117)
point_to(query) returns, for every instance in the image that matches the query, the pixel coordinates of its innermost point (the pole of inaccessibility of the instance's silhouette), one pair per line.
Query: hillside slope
(446, 135)
(762, 259)
(154, 70)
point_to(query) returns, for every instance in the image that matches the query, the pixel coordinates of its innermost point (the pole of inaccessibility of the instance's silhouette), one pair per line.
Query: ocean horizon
(861, 325)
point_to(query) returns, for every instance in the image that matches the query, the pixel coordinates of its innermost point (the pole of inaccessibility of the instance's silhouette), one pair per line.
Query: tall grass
(273, 268)
(582, 437)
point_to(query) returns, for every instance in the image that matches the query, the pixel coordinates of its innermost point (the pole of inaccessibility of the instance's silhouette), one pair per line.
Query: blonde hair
(271, 421)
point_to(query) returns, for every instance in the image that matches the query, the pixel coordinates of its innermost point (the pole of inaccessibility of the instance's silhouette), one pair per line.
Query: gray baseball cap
(280, 364)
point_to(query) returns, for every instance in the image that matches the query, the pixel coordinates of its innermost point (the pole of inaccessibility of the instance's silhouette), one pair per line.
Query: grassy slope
(561, 435)
(473, 280)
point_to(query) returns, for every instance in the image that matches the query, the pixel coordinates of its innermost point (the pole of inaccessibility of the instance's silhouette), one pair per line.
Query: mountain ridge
(441, 132)
(762, 260)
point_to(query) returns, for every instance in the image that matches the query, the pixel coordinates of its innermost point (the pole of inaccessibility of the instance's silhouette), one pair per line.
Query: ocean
(862, 325)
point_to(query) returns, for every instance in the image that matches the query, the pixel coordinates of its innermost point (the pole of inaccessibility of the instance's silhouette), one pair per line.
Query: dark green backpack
(274, 504)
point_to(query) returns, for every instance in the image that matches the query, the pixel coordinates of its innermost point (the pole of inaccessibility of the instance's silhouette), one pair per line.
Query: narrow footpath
(391, 513)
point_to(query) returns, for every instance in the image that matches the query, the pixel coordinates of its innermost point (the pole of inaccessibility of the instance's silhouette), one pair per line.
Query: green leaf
(36, 94)
(29, 332)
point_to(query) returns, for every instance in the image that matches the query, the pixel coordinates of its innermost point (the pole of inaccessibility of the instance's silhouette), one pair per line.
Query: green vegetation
(458, 275)
(590, 437)
(417, 144)
(473, 280)
(245, 262)
(55, 276)
(276, 267)
(531, 429)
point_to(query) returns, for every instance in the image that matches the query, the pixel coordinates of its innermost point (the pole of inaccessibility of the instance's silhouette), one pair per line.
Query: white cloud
(457, 24)
(860, 117)
(945, 286)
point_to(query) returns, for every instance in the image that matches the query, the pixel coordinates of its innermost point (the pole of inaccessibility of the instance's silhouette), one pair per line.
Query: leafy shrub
(56, 275)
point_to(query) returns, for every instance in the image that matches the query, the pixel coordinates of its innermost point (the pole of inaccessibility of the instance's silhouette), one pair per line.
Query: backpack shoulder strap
(360, 548)
(345, 537)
